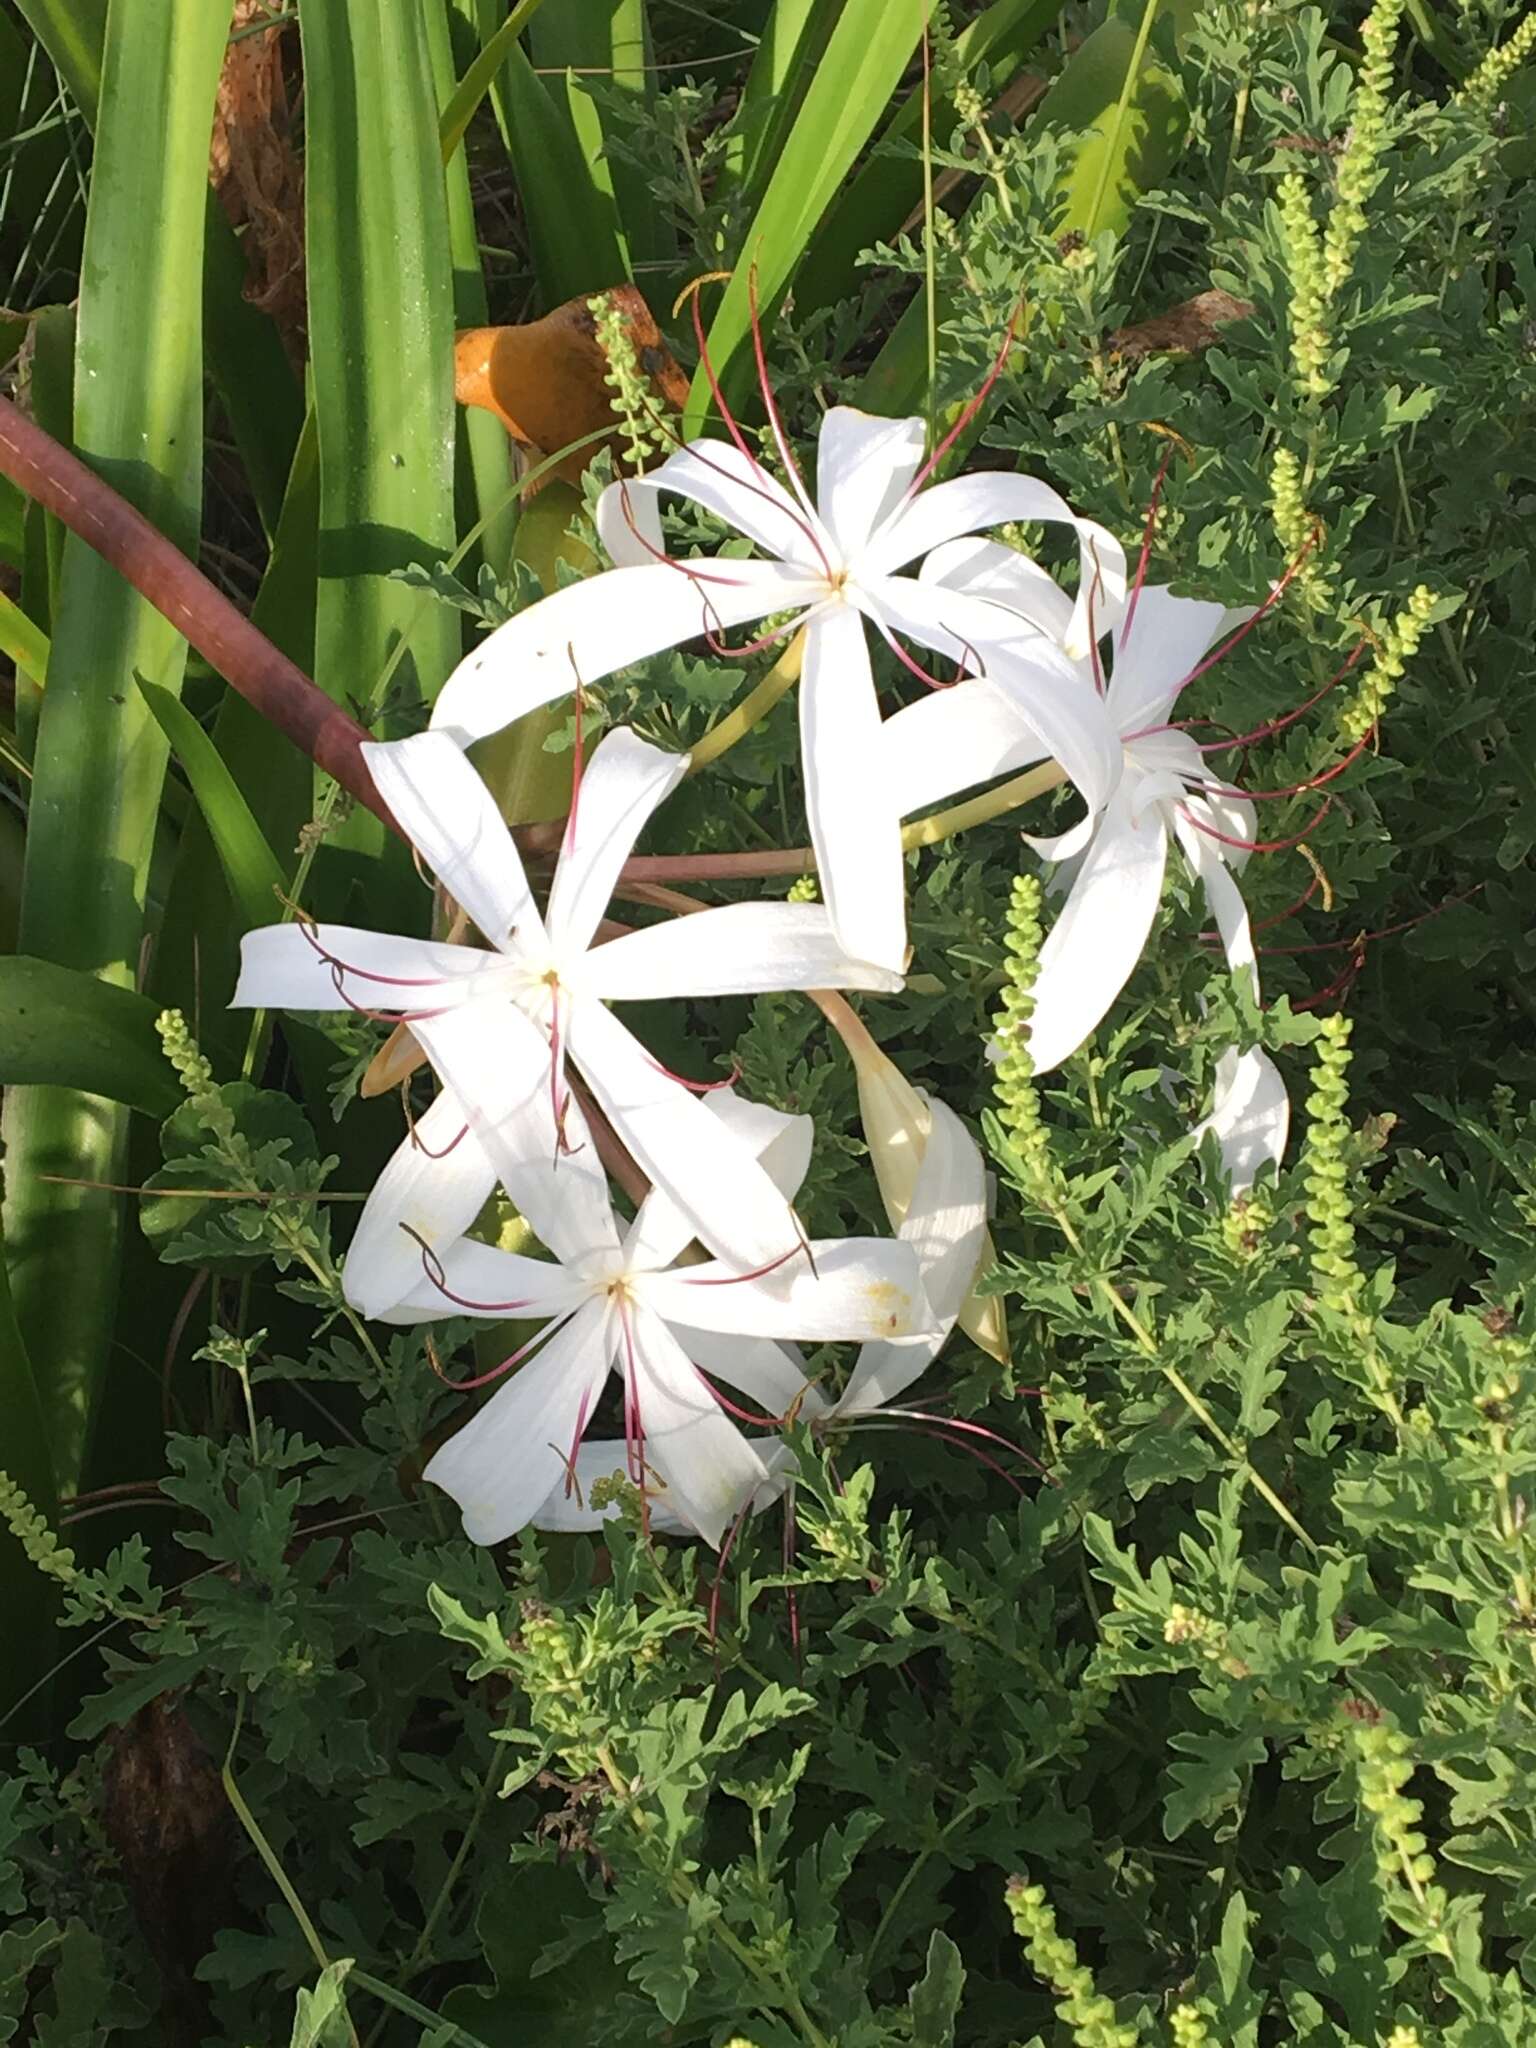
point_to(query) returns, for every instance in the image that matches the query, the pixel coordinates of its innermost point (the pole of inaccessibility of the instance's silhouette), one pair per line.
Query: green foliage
(1234, 1658)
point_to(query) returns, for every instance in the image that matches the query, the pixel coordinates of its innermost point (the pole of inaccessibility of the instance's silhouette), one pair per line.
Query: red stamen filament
(1259, 845)
(437, 1273)
(736, 1279)
(699, 1087)
(1274, 597)
(1146, 548)
(771, 404)
(739, 1414)
(967, 414)
(484, 1379)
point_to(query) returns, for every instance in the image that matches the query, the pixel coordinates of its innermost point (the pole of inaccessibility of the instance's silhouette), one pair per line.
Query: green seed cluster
(1303, 250)
(1294, 528)
(805, 889)
(1088, 2015)
(1359, 168)
(1245, 1224)
(195, 1074)
(1014, 1085)
(1399, 644)
(1404, 2037)
(1336, 1273)
(1488, 81)
(31, 1531)
(1188, 2026)
(1384, 1767)
(633, 403)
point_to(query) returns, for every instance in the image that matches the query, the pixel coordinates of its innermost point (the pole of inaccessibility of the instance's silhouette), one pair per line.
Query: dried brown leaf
(1184, 329)
(255, 170)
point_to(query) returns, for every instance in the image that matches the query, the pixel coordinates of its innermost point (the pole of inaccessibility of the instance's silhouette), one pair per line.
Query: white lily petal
(624, 782)
(848, 1290)
(733, 949)
(855, 827)
(986, 568)
(950, 740)
(716, 475)
(497, 1061)
(946, 1225)
(772, 1375)
(1168, 636)
(1204, 855)
(569, 1510)
(661, 1231)
(1048, 692)
(864, 466)
(298, 967)
(450, 817)
(1250, 1114)
(1098, 938)
(969, 504)
(708, 1469)
(506, 1460)
(1061, 847)
(712, 1176)
(474, 1279)
(606, 622)
(431, 1191)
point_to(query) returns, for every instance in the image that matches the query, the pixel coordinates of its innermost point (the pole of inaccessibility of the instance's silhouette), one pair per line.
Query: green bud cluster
(805, 889)
(1336, 1274)
(1245, 1224)
(1014, 1084)
(1302, 246)
(1187, 2023)
(1085, 2012)
(1384, 1768)
(615, 1490)
(1294, 527)
(30, 1529)
(633, 400)
(1188, 1627)
(1488, 81)
(195, 1074)
(1358, 172)
(1404, 2037)
(1398, 646)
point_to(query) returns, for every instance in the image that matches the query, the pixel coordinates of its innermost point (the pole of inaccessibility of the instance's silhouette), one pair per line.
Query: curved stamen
(418, 1143)
(1386, 931)
(771, 404)
(1146, 547)
(736, 1279)
(968, 662)
(968, 413)
(1278, 725)
(924, 1427)
(1259, 845)
(484, 1379)
(337, 964)
(1292, 571)
(1296, 788)
(964, 1428)
(718, 646)
(699, 1087)
(738, 1414)
(725, 1552)
(437, 1274)
(578, 763)
(572, 1483)
(685, 565)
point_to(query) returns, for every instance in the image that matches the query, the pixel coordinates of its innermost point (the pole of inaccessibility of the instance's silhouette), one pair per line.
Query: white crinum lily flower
(500, 1025)
(1113, 862)
(834, 563)
(945, 1227)
(629, 1308)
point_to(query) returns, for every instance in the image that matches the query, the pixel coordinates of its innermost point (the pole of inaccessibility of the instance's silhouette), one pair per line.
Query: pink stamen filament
(419, 1145)
(1259, 845)
(968, 413)
(1146, 548)
(771, 404)
(1274, 597)
(577, 763)
(484, 1379)
(699, 1087)
(634, 1431)
(572, 1483)
(737, 1413)
(966, 661)
(725, 1552)
(717, 646)
(1296, 788)
(736, 1279)
(437, 1274)
(1278, 725)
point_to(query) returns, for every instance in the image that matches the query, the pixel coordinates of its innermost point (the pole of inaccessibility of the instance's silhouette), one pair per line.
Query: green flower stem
(756, 705)
(980, 810)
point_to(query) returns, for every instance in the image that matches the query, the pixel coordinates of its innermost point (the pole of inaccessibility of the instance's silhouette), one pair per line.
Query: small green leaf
(935, 1999)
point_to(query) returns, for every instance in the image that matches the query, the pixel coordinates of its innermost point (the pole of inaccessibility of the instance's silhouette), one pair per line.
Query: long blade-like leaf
(250, 866)
(100, 759)
(864, 60)
(63, 1028)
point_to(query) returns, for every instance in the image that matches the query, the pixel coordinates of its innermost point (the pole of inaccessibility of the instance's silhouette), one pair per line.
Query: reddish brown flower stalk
(159, 571)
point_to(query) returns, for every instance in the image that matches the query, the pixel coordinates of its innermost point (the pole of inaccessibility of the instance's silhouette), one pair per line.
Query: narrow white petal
(508, 1458)
(474, 1279)
(606, 622)
(712, 1176)
(716, 475)
(1204, 855)
(950, 740)
(624, 782)
(340, 967)
(1050, 693)
(986, 568)
(1098, 937)
(946, 1225)
(1168, 636)
(709, 1471)
(569, 1510)
(771, 1375)
(855, 827)
(1250, 1114)
(432, 1189)
(734, 949)
(864, 466)
(497, 1061)
(859, 1287)
(450, 817)
(970, 504)
(661, 1231)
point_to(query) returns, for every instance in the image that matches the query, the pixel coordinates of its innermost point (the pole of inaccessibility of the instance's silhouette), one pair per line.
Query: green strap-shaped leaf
(27, 1599)
(381, 351)
(863, 63)
(1131, 116)
(250, 866)
(61, 1028)
(100, 758)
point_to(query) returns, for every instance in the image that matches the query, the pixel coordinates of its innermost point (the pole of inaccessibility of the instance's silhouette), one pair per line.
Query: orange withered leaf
(1184, 329)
